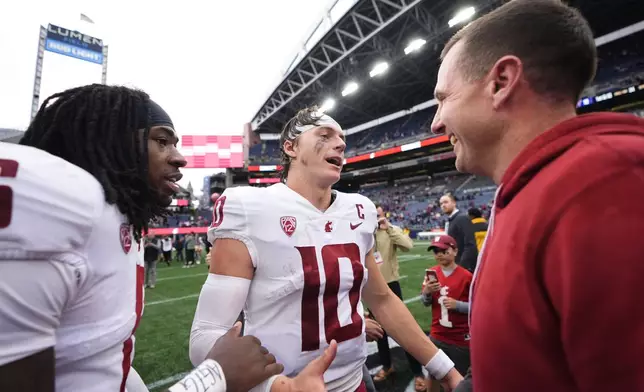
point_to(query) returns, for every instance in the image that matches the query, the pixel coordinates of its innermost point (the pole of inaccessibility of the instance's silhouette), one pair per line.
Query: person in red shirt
(446, 289)
(555, 298)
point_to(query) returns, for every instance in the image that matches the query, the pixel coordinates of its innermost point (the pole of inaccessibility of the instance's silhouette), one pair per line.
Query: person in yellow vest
(480, 226)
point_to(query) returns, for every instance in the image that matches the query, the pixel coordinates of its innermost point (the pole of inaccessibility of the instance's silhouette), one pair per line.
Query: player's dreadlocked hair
(308, 116)
(96, 128)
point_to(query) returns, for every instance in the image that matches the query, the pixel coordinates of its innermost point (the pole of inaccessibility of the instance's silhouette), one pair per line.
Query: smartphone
(432, 277)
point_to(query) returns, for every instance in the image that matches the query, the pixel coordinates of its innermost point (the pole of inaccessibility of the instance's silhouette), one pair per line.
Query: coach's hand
(311, 378)
(243, 359)
(373, 330)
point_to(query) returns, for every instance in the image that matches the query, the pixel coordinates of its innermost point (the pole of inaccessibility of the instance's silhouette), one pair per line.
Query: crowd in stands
(411, 203)
(397, 132)
(414, 205)
(621, 64)
(184, 217)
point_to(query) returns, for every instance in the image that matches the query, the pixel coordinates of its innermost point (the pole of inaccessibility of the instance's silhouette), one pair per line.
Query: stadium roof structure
(344, 69)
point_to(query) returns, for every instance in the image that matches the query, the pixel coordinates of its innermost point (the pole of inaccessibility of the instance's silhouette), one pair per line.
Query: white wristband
(207, 377)
(439, 365)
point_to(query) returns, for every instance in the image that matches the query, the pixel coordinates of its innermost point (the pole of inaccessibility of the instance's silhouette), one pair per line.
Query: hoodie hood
(553, 143)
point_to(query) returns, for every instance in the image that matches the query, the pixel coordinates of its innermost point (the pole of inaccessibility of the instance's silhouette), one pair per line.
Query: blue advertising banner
(74, 44)
(73, 51)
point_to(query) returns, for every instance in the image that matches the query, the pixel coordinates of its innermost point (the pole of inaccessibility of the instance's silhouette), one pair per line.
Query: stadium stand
(394, 133)
(621, 64)
(413, 203)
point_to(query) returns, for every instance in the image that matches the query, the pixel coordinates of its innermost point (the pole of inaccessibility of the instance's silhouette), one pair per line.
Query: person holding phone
(446, 288)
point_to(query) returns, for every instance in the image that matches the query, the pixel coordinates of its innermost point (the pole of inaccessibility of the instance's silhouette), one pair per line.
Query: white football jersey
(72, 276)
(309, 274)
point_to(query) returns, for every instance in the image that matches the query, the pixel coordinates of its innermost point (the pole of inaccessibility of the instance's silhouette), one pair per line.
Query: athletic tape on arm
(439, 365)
(207, 377)
(220, 301)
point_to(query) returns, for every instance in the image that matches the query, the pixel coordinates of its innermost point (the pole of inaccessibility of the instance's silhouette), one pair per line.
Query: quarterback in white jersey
(309, 273)
(298, 258)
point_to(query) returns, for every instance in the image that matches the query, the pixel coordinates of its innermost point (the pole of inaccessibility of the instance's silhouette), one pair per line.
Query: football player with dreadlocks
(298, 258)
(95, 165)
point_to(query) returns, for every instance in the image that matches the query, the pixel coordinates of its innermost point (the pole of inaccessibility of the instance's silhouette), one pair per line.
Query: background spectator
(389, 239)
(166, 243)
(480, 226)
(459, 226)
(151, 251)
(190, 244)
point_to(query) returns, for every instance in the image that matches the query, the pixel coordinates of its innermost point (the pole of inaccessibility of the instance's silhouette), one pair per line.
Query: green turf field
(163, 335)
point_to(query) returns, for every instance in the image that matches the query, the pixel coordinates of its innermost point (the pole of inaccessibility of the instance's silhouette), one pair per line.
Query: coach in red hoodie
(557, 296)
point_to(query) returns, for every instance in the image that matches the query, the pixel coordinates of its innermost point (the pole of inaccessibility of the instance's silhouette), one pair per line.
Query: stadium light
(328, 104)
(379, 69)
(461, 16)
(415, 45)
(349, 88)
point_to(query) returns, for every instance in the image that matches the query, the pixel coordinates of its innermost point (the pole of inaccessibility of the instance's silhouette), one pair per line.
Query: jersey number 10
(310, 305)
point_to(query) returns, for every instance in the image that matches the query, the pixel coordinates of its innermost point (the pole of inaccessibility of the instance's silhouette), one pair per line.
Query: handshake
(246, 363)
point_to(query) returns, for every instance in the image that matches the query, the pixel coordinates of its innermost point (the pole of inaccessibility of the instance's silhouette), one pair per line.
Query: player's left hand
(311, 378)
(450, 303)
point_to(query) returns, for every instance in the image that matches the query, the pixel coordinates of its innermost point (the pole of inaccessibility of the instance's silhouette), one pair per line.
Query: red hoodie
(558, 299)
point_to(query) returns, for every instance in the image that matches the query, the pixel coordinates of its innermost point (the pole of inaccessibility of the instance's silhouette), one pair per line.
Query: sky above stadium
(210, 64)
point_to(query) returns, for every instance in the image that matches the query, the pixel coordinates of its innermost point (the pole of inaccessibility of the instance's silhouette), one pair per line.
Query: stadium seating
(265, 153)
(412, 204)
(394, 133)
(185, 218)
(620, 64)
(415, 205)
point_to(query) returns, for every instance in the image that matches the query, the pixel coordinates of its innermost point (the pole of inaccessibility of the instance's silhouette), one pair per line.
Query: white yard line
(165, 301)
(404, 258)
(166, 381)
(182, 276)
(414, 299)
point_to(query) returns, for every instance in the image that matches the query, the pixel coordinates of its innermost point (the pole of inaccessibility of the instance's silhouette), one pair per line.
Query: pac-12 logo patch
(288, 223)
(126, 238)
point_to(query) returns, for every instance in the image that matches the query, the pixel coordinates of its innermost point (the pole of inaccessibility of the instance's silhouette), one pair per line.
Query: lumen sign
(74, 44)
